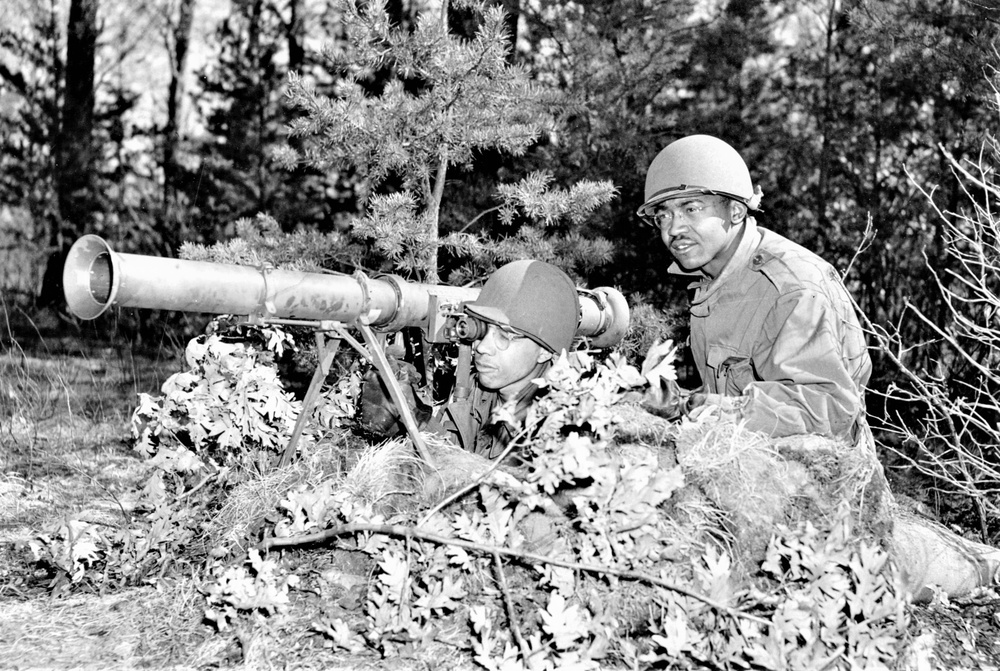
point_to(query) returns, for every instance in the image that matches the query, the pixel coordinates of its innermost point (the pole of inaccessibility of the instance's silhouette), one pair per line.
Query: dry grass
(381, 472)
(63, 440)
(245, 507)
(136, 628)
(738, 469)
(761, 484)
(378, 477)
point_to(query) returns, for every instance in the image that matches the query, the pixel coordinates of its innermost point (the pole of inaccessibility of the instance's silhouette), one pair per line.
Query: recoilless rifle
(95, 278)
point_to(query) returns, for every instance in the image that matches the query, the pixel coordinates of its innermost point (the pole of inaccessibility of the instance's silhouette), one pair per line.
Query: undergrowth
(594, 556)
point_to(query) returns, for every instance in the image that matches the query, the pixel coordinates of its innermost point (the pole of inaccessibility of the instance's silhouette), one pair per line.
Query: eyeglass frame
(650, 220)
(506, 335)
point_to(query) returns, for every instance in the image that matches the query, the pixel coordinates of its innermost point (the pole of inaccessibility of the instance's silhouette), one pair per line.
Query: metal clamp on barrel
(398, 318)
(602, 310)
(366, 294)
(266, 308)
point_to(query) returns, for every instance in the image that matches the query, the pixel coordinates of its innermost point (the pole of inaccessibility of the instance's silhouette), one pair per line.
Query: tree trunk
(396, 12)
(259, 98)
(181, 34)
(296, 37)
(74, 150)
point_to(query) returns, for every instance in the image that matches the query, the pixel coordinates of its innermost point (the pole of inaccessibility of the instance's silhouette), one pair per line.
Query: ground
(65, 451)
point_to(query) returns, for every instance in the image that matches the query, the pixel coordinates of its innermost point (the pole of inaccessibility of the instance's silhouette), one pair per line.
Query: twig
(465, 489)
(515, 628)
(402, 531)
(867, 238)
(477, 218)
(111, 494)
(207, 479)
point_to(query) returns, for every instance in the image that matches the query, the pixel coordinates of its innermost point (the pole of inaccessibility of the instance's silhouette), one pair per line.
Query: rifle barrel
(95, 277)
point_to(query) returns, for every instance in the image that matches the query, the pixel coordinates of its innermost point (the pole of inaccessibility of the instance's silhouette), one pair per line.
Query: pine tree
(438, 103)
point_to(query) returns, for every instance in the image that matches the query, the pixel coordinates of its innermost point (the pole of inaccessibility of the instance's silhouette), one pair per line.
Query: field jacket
(468, 423)
(778, 328)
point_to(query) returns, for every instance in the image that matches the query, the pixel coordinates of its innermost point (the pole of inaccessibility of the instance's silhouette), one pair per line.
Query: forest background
(163, 122)
(300, 133)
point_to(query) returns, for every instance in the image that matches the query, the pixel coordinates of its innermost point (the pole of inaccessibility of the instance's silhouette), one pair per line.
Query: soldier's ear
(737, 211)
(544, 355)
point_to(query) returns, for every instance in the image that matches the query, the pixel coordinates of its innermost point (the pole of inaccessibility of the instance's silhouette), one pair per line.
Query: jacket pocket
(733, 371)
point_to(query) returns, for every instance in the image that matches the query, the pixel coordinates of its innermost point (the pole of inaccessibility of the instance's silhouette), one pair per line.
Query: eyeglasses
(659, 219)
(656, 219)
(503, 336)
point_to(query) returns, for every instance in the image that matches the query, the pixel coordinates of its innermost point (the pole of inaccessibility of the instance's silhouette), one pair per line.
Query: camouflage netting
(763, 484)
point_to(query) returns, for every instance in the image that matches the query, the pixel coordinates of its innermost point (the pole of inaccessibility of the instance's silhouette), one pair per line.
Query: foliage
(648, 324)
(874, 87)
(260, 242)
(29, 118)
(611, 577)
(467, 98)
(229, 400)
(72, 549)
(590, 559)
(833, 598)
(619, 66)
(223, 422)
(257, 588)
(228, 173)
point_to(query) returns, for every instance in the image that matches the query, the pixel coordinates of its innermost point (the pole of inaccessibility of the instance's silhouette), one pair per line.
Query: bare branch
(412, 533)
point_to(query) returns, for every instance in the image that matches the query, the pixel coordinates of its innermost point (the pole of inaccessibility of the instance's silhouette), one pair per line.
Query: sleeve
(803, 383)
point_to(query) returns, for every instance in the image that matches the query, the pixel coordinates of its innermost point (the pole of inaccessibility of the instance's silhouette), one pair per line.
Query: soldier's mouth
(681, 246)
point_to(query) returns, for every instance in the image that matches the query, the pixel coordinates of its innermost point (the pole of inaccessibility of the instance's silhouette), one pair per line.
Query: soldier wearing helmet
(529, 312)
(774, 335)
(777, 342)
(532, 311)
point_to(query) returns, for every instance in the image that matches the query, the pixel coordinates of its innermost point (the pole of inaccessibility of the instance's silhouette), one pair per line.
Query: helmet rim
(683, 191)
(496, 316)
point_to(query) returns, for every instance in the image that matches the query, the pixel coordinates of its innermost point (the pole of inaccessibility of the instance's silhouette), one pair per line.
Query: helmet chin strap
(463, 372)
(536, 372)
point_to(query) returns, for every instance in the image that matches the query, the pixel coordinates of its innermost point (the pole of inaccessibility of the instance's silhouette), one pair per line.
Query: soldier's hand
(663, 396)
(700, 406)
(377, 413)
(665, 399)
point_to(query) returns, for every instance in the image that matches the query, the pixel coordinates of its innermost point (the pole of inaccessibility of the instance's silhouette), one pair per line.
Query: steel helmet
(698, 164)
(533, 297)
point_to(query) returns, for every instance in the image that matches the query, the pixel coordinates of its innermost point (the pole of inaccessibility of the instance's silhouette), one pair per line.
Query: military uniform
(778, 329)
(469, 424)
